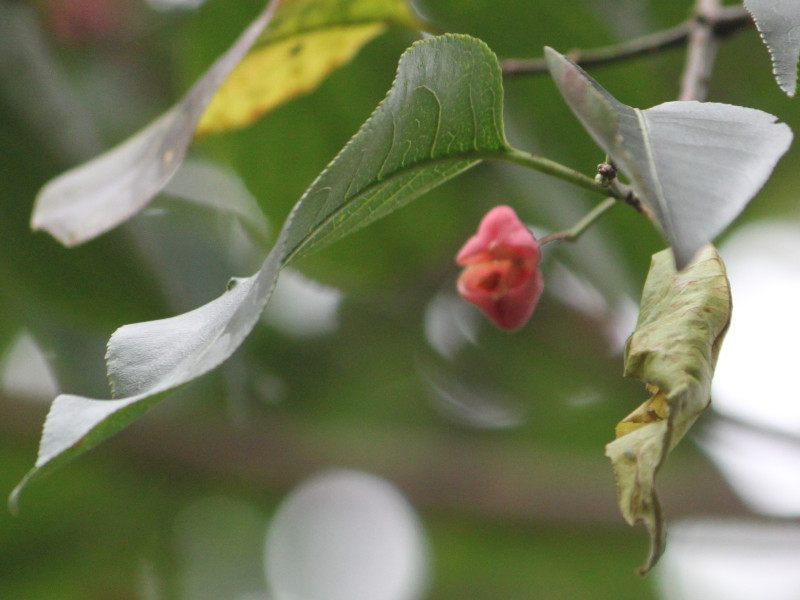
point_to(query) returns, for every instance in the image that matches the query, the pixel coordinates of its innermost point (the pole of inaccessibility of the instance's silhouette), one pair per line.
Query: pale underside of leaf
(96, 196)
(778, 22)
(443, 113)
(148, 360)
(694, 165)
(682, 322)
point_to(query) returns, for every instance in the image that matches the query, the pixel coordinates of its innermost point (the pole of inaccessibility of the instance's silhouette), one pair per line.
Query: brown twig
(722, 22)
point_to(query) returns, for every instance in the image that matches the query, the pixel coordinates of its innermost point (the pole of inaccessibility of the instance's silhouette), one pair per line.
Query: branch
(702, 47)
(446, 472)
(723, 23)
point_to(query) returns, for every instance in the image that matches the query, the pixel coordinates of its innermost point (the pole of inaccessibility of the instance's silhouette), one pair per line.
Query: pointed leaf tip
(778, 22)
(694, 165)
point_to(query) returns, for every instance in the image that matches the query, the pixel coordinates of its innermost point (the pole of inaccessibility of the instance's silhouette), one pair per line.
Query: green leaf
(778, 22)
(682, 322)
(304, 43)
(694, 165)
(98, 195)
(443, 113)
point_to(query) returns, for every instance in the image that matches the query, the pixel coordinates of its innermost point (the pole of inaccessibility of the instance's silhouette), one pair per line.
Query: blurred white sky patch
(301, 307)
(758, 447)
(346, 535)
(452, 326)
(755, 376)
(470, 403)
(762, 467)
(25, 372)
(730, 560)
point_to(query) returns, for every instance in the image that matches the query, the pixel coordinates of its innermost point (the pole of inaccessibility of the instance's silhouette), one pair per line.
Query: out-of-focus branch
(723, 23)
(451, 472)
(701, 52)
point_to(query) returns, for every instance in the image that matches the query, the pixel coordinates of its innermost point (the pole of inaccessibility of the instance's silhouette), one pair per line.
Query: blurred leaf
(778, 22)
(674, 349)
(305, 42)
(208, 184)
(442, 114)
(98, 195)
(35, 86)
(694, 165)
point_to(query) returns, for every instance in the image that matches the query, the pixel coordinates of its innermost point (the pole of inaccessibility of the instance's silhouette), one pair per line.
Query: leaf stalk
(576, 231)
(552, 168)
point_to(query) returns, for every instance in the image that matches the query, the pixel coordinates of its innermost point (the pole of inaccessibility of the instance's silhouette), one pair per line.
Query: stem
(616, 191)
(722, 23)
(574, 232)
(550, 167)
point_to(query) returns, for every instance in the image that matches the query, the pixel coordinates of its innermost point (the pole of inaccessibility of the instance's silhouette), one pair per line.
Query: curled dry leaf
(682, 322)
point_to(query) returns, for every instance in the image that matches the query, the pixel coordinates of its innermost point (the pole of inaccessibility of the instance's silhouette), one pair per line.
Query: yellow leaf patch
(277, 72)
(654, 410)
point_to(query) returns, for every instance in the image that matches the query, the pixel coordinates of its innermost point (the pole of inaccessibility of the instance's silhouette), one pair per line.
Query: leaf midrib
(476, 156)
(663, 207)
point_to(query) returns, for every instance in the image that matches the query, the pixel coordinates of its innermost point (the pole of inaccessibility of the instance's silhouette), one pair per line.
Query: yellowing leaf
(306, 41)
(299, 16)
(682, 322)
(278, 72)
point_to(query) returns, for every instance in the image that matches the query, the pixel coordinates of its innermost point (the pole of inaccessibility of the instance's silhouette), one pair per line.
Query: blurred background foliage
(496, 440)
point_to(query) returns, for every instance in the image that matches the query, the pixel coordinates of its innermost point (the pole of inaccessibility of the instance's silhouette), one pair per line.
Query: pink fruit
(501, 275)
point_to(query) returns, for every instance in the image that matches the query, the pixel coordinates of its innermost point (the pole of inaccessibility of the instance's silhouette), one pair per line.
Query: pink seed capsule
(501, 275)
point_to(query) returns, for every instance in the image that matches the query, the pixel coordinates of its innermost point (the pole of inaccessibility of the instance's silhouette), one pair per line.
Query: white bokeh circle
(345, 535)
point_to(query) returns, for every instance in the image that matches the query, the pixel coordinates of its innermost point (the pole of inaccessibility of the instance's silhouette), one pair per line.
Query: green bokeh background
(283, 408)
